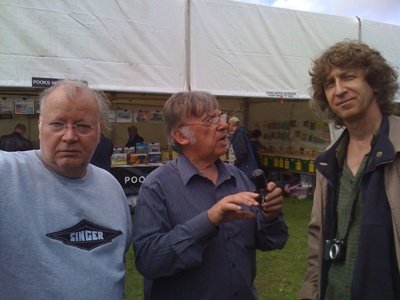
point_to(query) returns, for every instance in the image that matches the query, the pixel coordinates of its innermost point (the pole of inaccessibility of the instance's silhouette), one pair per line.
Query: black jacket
(376, 256)
(15, 142)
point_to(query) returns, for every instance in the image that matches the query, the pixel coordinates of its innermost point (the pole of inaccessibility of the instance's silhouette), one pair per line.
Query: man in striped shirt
(197, 223)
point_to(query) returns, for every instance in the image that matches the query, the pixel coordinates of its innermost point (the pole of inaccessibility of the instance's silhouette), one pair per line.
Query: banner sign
(43, 82)
(132, 177)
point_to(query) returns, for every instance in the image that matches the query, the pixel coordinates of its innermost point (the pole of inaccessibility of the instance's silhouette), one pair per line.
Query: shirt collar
(341, 150)
(187, 170)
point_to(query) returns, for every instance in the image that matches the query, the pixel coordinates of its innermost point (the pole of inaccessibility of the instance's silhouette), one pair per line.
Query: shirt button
(233, 266)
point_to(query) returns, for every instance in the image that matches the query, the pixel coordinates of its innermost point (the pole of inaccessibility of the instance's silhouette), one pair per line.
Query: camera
(260, 182)
(335, 250)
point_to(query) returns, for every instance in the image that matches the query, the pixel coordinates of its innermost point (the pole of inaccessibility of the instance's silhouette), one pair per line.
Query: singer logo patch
(85, 235)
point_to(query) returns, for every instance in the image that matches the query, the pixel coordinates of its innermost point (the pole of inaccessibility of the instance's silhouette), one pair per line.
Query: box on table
(138, 158)
(153, 147)
(154, 157)
(142, 148)
(165, 155)
(118, 159)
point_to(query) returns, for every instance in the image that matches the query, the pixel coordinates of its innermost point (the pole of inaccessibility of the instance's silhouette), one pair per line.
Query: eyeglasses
(211, 121)
(59, 128)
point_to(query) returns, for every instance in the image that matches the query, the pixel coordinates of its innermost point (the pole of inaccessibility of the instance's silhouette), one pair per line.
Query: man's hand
(229, 208)
(273, 203)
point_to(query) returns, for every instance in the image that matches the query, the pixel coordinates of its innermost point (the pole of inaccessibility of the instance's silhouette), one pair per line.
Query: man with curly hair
(353, 244)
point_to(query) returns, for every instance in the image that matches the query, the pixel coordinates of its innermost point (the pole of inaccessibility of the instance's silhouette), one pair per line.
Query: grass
(279, 272)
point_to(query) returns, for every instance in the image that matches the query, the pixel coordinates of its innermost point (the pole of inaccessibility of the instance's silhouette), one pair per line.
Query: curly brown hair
(353, 55)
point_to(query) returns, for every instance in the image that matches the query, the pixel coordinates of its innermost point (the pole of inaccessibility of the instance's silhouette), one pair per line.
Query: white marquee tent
(163, 46)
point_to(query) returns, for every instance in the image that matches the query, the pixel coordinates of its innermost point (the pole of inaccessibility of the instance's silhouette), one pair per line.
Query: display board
(132, 177)
(289, 127)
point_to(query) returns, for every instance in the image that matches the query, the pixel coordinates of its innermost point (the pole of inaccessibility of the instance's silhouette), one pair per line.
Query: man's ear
(40, 124)
(179, 137)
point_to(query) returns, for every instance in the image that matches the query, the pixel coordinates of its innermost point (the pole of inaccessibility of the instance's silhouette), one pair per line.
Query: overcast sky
(387, 11)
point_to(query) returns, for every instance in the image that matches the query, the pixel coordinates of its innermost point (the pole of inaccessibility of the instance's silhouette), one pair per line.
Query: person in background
(197, 223)
(257, 146)
(243, 152)
(353, 243)
(65, 224)
(102, 155)
(134, 137)
(16, 141)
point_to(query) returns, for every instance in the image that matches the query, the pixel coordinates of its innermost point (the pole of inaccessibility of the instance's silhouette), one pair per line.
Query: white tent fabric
(121, 45)
(225, 47)
(385, 38)
(258, 51)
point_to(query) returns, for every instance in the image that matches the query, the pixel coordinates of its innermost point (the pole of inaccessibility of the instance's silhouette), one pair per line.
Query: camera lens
(334, 251)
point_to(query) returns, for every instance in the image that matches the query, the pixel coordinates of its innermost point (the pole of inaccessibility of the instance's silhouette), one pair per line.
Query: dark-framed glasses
(211, 121)
(59, 128)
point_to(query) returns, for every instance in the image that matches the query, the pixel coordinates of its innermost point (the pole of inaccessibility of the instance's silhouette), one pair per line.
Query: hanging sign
(43, 82)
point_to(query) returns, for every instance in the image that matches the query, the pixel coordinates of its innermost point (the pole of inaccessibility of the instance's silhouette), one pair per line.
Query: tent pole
(187, 46)
(359, 28)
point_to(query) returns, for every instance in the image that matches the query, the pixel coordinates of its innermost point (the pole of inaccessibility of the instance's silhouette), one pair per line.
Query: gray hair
(71, 87)
(183, 105)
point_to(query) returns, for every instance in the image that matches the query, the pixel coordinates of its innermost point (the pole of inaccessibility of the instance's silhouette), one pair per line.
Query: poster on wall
(124, 116)
(156, 116)
(24, 106)
(141, 116)
(6, 108)
(37, 106)
(111, 116)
